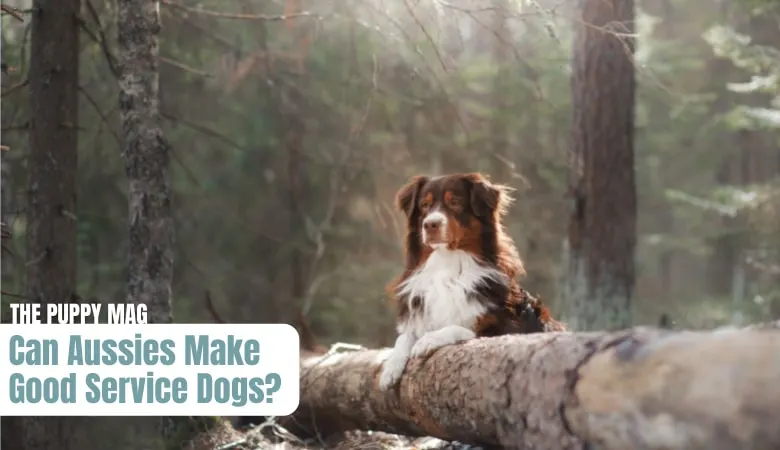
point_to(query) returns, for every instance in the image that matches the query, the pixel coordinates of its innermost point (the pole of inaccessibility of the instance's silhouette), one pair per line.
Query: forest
(237, 161)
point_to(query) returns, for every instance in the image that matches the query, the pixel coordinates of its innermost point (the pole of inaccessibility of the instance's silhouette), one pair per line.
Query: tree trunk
(7, 259)
(51, 190)
(602, 228)
(146, 154)
(637, 388)
(53, 163)
(147, 157)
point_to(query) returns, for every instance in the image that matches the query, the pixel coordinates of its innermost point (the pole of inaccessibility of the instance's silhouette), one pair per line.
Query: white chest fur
(446, 283)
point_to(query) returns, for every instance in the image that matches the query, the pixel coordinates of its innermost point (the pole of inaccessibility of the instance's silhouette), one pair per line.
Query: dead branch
(5, 233)
(184, 67)
(428, 36)
(102, 40)
(103, 116)
(202, 129)
(11, 294)
(14, 88)
(640, 389)
(439, 82)
(239, 16)
(15, 12)
(212, 310)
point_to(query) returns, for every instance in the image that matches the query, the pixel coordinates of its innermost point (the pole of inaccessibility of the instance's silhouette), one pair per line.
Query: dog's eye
(425, 205)
(455, 203)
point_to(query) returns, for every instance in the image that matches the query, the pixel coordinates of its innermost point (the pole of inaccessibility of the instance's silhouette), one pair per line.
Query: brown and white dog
(459, 277)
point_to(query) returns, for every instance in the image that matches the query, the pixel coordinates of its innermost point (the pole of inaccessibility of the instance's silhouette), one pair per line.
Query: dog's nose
(432, 224)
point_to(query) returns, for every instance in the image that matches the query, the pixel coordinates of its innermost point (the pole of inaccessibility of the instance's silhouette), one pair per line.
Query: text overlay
(73, 313)
(149, 370)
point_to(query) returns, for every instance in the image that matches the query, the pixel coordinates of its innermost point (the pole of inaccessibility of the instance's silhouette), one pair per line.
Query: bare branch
(239, 16)
(185, 67)
(213, 310)
(203, 129)
(11, 294)
(22, 127)
(15, 87)
(427, 35)
(434, 75)
(100, 40)
(205, 31)
(103, 117)
(15, 12)
(103, 41)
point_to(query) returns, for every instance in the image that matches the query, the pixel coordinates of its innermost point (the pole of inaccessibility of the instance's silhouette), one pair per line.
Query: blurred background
(290, 137)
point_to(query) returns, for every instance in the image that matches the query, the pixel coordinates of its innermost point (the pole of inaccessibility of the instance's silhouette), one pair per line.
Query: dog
(458, 281)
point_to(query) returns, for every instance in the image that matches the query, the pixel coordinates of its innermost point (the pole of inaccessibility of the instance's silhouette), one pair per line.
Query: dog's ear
(487, 198)
(406, 197)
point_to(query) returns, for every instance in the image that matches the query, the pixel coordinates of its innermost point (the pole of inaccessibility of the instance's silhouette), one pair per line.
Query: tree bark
(51, 192)
(53, 163)
(637, 388)
(602, 231)
(146, 154)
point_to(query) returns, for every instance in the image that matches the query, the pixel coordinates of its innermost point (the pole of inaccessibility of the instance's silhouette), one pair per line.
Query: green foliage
(763, 63)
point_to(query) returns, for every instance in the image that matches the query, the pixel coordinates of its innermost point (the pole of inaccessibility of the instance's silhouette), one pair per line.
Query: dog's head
(452, 211)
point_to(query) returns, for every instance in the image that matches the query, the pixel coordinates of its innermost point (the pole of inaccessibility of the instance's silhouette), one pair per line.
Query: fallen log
(636, 389)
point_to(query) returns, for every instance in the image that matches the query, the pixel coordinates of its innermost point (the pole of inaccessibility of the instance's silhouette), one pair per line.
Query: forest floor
(271, 436)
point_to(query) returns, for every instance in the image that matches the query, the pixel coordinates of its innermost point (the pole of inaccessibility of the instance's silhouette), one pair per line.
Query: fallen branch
(640, 389)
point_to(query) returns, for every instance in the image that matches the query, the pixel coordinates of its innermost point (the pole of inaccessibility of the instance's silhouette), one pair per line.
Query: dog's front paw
(391, 372)
(434, 340)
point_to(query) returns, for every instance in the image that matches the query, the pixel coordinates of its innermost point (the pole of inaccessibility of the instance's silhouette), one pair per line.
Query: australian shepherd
(458, 281)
